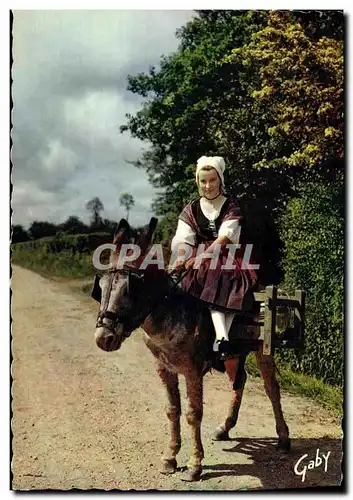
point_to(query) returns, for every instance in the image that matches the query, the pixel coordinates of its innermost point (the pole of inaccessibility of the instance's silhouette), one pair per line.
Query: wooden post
(299, 315)
(269, 319)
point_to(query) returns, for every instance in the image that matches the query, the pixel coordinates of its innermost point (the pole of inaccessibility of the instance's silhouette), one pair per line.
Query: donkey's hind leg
(237, 376)
(173, 410)
(268, 371)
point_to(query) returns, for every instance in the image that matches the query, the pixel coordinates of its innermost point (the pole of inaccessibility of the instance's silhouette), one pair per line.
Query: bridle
(117, 317)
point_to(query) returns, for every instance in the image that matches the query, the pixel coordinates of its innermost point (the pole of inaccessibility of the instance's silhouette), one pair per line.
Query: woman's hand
(178, 266)
(190, 262)
(182, 265)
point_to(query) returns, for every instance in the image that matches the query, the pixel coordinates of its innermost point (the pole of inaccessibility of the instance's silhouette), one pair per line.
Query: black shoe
(217, 363)
(225, 349)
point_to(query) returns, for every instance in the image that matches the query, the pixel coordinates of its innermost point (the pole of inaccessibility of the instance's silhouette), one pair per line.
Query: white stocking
(229, 320)
(222, 322)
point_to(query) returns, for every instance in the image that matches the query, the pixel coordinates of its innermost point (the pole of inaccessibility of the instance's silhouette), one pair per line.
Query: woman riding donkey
(145, 296)
(209, 243)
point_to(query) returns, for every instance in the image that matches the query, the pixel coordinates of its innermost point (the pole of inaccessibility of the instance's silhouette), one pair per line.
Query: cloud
(69, 92)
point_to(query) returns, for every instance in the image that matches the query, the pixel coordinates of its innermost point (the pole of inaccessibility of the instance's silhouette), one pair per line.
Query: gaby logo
(303, 464)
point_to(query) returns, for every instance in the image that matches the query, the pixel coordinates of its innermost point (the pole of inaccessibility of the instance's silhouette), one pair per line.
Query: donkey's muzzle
(107, 340)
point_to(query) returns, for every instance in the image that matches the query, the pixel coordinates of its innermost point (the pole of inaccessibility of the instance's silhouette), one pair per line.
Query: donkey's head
(124, 299)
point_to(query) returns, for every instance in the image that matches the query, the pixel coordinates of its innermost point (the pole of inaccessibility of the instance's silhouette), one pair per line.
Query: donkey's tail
(240, 377)
(276, 368)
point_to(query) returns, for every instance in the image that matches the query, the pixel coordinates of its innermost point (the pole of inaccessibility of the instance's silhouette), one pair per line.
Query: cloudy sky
(69, 92)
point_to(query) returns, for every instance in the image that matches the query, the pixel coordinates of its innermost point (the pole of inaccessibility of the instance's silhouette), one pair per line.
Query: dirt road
(83, 418)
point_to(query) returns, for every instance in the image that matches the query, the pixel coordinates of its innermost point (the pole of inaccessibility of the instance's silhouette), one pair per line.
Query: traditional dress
(224, 290)
(203, 221)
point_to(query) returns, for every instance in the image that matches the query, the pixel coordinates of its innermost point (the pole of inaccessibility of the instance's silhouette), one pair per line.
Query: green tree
(300, 82)
(95, 206)
(40, 229)
(209, 97)
(19, 234)
(127, 201)
(73, 225)
(109, 226)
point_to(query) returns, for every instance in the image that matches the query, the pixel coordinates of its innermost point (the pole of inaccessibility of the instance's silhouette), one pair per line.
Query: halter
(116, 317)
(103, 312)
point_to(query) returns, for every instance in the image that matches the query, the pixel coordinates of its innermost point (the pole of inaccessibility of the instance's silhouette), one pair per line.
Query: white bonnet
(217, 162)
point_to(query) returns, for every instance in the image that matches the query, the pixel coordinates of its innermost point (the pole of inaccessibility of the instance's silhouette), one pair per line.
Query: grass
(66, 256)
(64, 264)
(304, 385)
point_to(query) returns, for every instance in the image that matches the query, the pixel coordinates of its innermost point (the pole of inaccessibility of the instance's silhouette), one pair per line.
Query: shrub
(312, 229)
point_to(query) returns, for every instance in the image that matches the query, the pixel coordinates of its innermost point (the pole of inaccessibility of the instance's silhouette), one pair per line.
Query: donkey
(178, 331)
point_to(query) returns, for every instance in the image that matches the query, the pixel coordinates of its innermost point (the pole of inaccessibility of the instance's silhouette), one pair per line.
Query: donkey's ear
(123, 225)
(122, 232)
(122, 228)
(147, 234)
(152, 226)
(151, 229)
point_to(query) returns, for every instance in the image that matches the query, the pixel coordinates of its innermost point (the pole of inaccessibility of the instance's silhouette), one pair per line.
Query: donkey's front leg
(268, 371)
(173, 410)
(194, 390)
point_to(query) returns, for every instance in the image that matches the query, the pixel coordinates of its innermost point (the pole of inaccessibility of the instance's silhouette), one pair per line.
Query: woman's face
(209, 183)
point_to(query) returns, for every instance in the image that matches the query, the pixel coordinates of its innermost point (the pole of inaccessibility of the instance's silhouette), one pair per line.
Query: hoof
(283, 445)
(220, 435)
(192, 475)
(168, 466)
